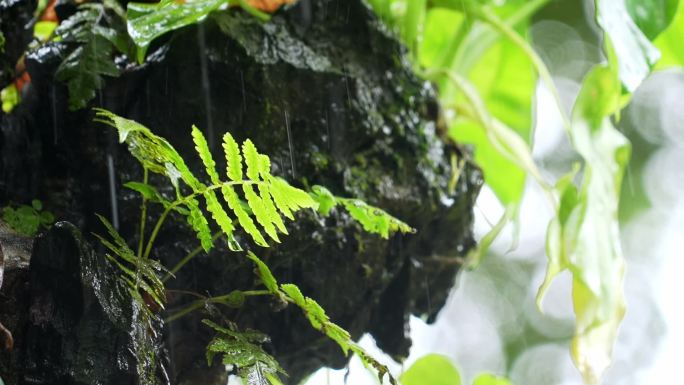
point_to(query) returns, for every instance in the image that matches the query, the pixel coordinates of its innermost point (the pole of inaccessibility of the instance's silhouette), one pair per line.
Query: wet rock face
(82, 326)
(327, 93)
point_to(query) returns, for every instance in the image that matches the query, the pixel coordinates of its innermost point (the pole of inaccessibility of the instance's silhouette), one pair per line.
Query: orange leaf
(268, 5)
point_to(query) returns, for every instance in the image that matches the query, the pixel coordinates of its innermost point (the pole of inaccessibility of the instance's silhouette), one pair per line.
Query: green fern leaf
(294, 293)
(270, 209)
(289, 199)
(199, 223)
(243, 350)
(233, 158)
(265, 274)
(260, 212)
(244, 219)
(153, 152)
(251, 155)
(205, 154)
(218, 213)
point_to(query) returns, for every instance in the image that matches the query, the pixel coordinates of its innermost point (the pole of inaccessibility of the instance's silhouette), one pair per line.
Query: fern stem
(183, 201)
(218, 299)
(143, 216)
(188, 258)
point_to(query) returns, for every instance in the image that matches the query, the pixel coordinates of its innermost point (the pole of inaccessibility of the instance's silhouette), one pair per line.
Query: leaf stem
(218, 299)
(143, 216)
(183, 201)
(488, 16)
(188, 258)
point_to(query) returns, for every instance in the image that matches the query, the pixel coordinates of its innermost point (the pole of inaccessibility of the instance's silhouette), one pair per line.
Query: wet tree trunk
(327, 93)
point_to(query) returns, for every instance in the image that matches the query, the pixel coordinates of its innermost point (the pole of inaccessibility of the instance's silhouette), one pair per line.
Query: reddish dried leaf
(268, 5)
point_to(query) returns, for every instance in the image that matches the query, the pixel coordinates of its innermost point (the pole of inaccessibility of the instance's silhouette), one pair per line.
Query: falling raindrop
(289, 143)
(112, 191)
(244, 96)
(53, 95)
(205, 85)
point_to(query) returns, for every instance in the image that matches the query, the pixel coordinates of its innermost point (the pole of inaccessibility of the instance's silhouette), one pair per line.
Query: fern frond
(137, 272)
(202, 149)
(317, 317)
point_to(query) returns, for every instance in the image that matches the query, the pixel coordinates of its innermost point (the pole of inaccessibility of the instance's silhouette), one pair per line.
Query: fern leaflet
(372, 219)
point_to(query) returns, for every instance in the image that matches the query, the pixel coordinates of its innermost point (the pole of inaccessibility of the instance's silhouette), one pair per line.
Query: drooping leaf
(265, 274)
(137, 272)
(147, 21)
(432, 369)
(584, 238)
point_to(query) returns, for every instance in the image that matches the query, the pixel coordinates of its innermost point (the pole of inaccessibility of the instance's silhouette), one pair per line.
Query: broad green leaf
(584, 237)
(147, 21)
(636, 55)
(433, 369)
(670, 42)
(265, 274)
(490, 379)
(652, 16)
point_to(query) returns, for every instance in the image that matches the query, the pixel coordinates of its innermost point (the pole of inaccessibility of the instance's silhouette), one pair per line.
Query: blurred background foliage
(572, 110)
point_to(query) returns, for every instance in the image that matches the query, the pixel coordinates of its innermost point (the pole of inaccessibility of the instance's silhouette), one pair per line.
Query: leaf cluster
(26, 219)
(95, 33)
(244, 351)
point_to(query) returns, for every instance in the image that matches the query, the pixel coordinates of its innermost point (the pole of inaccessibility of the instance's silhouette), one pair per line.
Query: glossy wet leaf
(584, 237)
(147, 21)
(433, 369)
(636, 54)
